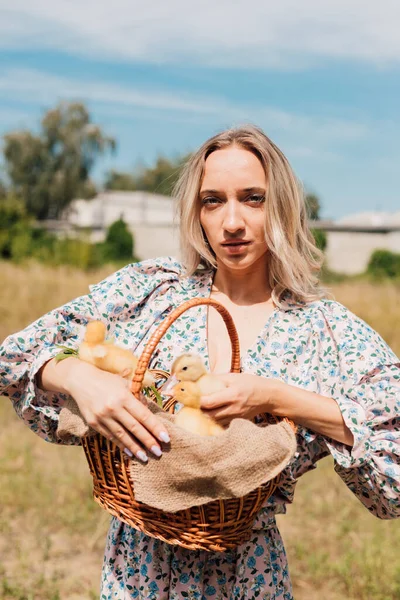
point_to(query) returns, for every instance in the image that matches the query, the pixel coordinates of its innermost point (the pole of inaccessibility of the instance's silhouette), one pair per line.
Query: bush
(75, 252)
(384, 263)
(118, 245)
(21, 238)
(15, 226)
(320, 238)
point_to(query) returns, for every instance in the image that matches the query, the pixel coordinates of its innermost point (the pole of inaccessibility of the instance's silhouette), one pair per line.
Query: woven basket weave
(216, 526)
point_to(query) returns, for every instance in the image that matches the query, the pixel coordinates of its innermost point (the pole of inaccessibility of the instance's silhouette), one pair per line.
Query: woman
(243, 222)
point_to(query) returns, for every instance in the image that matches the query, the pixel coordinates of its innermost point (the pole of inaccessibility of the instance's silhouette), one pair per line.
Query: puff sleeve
(126, 301)
(363, 376)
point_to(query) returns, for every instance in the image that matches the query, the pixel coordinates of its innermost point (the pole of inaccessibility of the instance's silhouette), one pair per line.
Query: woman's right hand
(108, 406)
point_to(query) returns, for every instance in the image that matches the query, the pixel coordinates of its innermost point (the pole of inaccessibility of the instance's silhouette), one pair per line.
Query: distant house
(150, 217)
(352, 239)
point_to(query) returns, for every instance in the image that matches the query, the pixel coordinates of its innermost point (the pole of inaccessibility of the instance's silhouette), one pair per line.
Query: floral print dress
(320, 346)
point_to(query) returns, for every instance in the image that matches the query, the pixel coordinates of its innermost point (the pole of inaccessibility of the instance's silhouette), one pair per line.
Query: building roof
(365, 222)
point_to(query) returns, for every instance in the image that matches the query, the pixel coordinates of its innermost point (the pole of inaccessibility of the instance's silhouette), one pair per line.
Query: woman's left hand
(245, 396)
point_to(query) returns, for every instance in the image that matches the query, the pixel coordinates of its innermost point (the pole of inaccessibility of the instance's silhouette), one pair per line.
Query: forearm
(316, 412)
(56, 376)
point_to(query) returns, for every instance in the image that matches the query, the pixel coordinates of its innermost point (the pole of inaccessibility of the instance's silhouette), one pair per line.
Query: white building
(150, 217)
(352, 239)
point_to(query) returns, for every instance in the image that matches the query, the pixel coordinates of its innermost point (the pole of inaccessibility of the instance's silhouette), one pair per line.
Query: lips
(236, 243)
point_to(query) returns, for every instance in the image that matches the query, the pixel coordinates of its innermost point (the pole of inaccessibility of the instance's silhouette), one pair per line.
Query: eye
(210, 200)
(256, 198)
(184, 368)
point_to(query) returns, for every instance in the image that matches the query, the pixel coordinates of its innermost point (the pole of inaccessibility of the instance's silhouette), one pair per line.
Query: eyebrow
(249, 189)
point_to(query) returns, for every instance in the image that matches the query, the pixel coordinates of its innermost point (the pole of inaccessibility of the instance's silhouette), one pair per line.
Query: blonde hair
(294, 259)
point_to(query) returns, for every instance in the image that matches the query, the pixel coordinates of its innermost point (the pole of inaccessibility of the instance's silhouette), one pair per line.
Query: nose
(233, 221)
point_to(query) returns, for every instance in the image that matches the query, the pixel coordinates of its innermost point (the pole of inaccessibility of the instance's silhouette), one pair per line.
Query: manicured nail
(128, 452)
(156, 450)
(164, 437)
(142, 455)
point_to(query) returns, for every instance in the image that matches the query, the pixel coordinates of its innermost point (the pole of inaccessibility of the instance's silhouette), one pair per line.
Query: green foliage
(14, 224)
(118, 245)
(3, 190)
(313, 206)
(50, 169)
(21, 238)
(116, 180)
(12, 211)
(384, 263)
(329, 277)
(76, 252)
(65, 352)
(320, 239)
(160, 178)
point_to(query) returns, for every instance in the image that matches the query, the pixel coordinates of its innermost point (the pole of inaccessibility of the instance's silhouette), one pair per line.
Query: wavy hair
(294, 260)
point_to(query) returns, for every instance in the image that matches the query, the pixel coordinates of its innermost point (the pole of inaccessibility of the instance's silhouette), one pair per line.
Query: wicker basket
(216, 526)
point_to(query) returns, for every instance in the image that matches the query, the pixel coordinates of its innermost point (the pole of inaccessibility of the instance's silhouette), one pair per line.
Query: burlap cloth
(71, 423)
(194, 470)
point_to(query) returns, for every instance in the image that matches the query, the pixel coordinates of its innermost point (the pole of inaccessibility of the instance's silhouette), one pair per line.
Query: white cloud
(42, 87)
(304, 136)
(249, 33)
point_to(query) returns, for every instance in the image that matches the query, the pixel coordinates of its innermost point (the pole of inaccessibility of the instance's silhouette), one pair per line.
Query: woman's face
(232, 198)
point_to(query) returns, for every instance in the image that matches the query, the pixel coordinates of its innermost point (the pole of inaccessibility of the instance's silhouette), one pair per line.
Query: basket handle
(151, 345)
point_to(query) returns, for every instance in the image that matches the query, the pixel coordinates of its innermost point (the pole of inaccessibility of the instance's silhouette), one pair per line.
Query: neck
(247, 286)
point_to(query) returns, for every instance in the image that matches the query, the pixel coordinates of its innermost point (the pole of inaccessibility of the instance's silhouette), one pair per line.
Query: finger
(146, 418)
(221, 415)
(132, 450)
(216, 400)
(124, 440)
(139, 432)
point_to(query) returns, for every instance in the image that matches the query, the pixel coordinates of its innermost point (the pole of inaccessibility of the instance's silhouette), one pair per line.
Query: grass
(52, 534)
(336, 549)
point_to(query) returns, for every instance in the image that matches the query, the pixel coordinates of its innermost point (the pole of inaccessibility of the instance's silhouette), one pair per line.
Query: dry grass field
(52, 534)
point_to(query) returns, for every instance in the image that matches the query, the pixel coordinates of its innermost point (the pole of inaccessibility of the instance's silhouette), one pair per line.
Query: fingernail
(128, 452)
(142, 456)
(164, 437)
(156, 450)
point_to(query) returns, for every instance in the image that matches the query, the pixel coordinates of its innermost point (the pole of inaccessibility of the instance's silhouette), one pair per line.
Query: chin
(237, 263)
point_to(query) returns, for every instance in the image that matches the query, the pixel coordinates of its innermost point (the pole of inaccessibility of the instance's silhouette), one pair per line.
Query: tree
(3, 190)
(320, 239)
(116, 180)
(118, 244)
(50, 169)
(384, 263)
(159, 178)
(313, 207)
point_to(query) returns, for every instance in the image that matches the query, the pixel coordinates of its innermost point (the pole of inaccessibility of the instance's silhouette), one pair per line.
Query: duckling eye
(184, 368)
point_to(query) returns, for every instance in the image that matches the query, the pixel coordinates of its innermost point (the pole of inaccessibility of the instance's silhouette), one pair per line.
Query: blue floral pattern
(320, 346)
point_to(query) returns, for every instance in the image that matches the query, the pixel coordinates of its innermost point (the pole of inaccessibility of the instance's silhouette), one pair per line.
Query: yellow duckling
(189, 367)
(109, 357)
(190, 416)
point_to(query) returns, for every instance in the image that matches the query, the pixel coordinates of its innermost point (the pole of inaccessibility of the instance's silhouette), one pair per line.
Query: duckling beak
(167, 388)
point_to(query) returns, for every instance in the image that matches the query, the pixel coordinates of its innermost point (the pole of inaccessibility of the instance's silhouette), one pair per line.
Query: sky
(321, 78)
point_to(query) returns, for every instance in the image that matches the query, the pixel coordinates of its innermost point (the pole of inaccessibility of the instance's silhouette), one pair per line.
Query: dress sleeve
(117, 301)
(24, 353)
(363, 376)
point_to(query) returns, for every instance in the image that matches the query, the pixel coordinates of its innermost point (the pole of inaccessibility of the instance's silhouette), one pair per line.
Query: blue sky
(323, 82)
